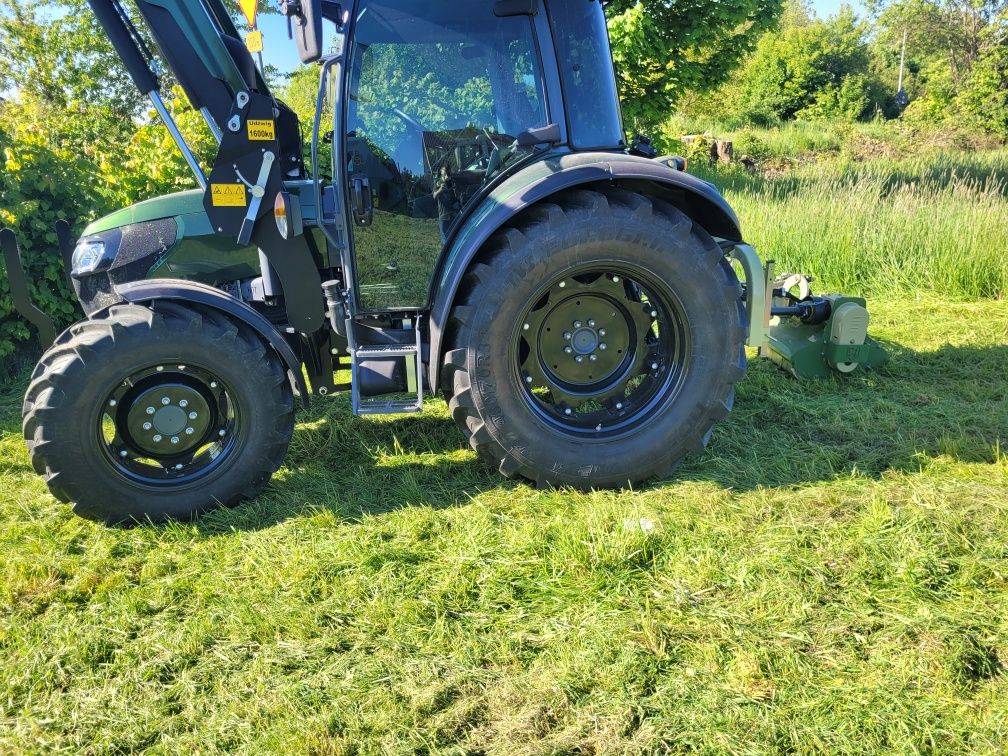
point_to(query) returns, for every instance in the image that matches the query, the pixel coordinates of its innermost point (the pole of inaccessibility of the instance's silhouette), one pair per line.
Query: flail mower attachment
(810, 336)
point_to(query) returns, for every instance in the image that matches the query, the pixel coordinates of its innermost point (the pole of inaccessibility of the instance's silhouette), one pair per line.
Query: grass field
(830, 577)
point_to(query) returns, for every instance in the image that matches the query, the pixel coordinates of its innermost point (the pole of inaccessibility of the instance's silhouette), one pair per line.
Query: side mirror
(304, 25)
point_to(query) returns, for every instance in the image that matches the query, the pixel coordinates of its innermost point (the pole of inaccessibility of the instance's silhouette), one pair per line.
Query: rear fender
(538, 182)
(175, 290)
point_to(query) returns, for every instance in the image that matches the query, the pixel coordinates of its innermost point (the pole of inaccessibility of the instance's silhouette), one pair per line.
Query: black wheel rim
(167, 425)
(601, 350)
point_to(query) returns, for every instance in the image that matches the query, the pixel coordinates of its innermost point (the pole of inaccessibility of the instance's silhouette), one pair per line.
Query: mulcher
(469, 219)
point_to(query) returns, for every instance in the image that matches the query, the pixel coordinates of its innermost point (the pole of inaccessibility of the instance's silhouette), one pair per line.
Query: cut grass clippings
(829, 577)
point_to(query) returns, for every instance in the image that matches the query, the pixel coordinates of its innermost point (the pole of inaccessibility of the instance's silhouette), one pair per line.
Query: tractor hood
(186, 207)
(167, 206)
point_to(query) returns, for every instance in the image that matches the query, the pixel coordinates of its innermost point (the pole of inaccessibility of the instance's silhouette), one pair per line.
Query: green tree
(59, 54)
(956, 53)
(663, 48)
(985, 96)
(810, 69)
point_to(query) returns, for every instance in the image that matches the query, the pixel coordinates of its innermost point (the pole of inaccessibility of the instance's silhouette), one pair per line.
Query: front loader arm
(259, 138)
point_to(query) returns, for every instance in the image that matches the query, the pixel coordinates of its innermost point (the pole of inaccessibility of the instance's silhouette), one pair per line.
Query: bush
(985, 100)
(45, 177)
(149, 164)
(76, 165)
(810, 69)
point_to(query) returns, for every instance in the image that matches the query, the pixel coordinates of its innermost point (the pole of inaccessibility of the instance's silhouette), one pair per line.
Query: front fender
(699, 200)
(177, 290)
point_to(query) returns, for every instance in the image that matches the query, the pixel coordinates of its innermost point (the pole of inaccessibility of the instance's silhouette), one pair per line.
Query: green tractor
(471, 221)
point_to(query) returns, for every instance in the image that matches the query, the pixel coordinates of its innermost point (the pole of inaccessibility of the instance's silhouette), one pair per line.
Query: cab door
(436, 97)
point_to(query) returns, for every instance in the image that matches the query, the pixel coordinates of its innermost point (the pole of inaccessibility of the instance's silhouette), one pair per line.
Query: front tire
(156, 413)
(596, 343)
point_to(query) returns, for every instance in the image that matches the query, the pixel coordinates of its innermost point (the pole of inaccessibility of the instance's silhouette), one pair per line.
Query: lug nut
(124, 453)
(213, 384)
(178, 466)
(593, 357)
(591, 323)
(525, 327)
(165, 400)
(619, 405)
(112, 403)
(567, 411)
(654, 365)
(603, 346)
(189, 431)
(150, 410)
(568, 350)
(654, 313)
(222, 433)
(183, 403)
(157, 438)
(601, 331)
(147, 426)
(193, 415)
(567, 335)
(579, 358)
(528, 379)
(577, 323)
(174, 439)
(562, 284)
(615, 279)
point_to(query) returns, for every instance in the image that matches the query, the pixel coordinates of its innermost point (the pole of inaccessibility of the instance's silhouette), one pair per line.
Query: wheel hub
(585, 340)
(169, 419)
(599, 349)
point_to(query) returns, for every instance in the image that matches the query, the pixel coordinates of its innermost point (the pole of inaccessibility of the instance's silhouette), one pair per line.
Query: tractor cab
(440, 102)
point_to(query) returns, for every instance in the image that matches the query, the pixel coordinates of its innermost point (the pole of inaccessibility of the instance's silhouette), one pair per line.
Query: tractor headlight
(89, 255)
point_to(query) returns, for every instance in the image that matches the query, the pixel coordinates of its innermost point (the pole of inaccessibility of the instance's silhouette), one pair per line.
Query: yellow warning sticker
(254, 41)
(261, 130)
(227, 195)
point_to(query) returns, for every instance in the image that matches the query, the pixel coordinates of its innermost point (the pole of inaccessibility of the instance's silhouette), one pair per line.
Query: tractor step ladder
(414, 372)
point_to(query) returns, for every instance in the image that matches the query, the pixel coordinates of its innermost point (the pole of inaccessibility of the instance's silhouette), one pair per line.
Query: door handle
(363, 206)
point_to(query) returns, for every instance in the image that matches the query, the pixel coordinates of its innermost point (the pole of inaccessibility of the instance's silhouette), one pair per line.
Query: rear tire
(156, 413)
(545, 392)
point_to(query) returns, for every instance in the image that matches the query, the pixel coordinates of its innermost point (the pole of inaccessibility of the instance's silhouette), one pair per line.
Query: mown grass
(829, 577)
(936, 222)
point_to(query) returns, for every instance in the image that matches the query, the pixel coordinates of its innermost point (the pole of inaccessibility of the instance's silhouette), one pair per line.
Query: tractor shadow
(358, 467)
(952, 402)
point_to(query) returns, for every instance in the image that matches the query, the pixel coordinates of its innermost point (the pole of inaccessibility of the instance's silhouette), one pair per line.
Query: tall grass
(937, 222)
